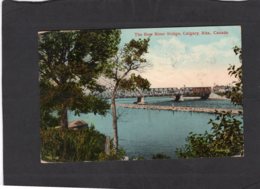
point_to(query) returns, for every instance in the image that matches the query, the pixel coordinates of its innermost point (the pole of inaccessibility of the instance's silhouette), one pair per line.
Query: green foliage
(160, 156)
(71, 145)
(129, 58)
(236, 95)
(135, 83)
(118, 154)
(134, 158)
(48, 119)
(226, 137)
(70, 64)
(134, 51)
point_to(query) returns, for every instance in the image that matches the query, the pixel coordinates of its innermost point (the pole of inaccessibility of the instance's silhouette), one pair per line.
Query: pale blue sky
(197, 60)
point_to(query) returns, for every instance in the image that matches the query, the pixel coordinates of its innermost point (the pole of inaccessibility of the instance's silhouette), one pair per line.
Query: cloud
(176, 63)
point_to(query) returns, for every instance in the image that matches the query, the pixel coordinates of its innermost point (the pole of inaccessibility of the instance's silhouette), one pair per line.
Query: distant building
(221, 89)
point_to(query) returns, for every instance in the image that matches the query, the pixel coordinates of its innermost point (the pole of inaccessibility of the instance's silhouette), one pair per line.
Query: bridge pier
(204, 96)
(140, 100)
(178, 97)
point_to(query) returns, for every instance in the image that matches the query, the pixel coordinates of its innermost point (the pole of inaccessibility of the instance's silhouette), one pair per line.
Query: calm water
(147, 132)
(167, 101)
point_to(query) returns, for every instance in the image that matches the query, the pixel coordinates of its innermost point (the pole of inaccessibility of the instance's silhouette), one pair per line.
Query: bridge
(176, 93)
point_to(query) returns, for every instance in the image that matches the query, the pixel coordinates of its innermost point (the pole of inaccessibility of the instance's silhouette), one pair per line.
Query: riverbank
(178, 108)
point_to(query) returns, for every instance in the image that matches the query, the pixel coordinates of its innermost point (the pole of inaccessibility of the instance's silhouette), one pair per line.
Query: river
(147, 132)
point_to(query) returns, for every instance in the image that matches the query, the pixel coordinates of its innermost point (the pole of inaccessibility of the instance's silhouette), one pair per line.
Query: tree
(135, 83)
(128, 60)
(226, 138)
(70, 65)
(236, 94)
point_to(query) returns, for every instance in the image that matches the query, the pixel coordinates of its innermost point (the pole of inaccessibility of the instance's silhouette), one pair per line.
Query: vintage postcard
(141, 94)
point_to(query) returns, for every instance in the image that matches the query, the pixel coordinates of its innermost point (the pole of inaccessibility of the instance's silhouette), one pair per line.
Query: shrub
(160, 156)
(119, 155)
(134, 158)
(226, 139)
(71, 145)
(48, 119)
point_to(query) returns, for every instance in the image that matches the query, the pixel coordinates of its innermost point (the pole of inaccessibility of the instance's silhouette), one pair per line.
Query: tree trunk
(114, 118)
(64, 118)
